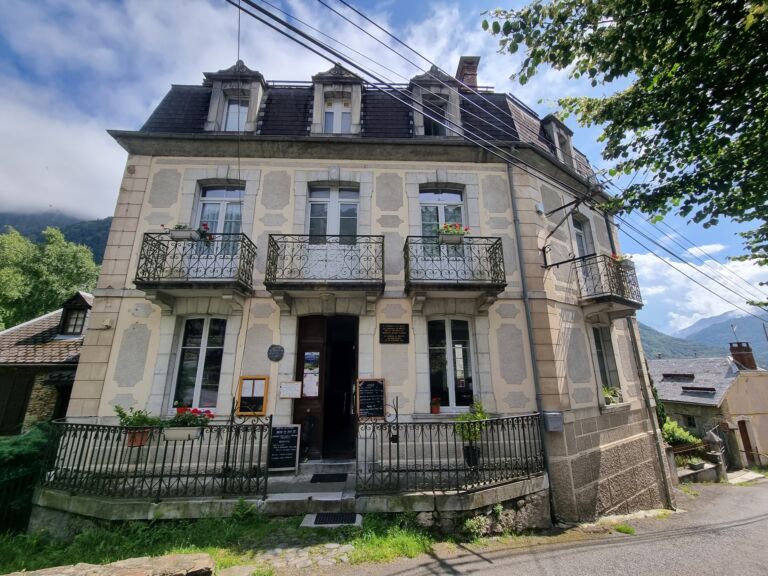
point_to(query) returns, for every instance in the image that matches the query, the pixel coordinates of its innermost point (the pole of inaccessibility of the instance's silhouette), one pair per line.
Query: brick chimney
(467, 70)
(741, 352)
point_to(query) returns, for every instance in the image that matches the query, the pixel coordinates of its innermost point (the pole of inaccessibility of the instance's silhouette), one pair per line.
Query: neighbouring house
(727, 395)
(278, 251)
(38, 360)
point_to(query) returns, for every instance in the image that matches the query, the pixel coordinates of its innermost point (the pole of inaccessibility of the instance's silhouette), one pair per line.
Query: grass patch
(229, 541)
(663, 515)
(624, 529)
(760, 470)
(686, 489)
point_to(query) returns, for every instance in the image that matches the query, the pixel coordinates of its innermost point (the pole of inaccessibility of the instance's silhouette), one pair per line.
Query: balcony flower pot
(184, 234)
(182, 433)
(137, 437)
(434, 406)
(451, 238)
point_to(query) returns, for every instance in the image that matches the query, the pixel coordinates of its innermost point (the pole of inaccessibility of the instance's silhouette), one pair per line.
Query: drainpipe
(651, 415)
(529, 323)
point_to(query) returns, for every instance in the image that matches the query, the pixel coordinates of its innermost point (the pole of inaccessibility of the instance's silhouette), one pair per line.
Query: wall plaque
(275, 352)
(394, 333)
(370, 397)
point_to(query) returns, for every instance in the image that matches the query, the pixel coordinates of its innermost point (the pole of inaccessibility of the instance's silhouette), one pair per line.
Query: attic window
(437, 109)
(699, 389)
(338, 116)
(73, 321)
(678, 377)
(236, 114)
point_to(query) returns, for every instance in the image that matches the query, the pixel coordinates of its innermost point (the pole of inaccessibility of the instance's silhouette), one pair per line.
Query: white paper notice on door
(311, 378)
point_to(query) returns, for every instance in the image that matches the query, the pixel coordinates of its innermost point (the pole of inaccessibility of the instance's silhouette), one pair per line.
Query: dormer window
(437, 95)
(236, 115)
(338, 116)
(437, 109)
(73, 321)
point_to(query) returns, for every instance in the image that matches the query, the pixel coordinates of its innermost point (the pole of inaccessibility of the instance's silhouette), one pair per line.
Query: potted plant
(612, 395)
(695, 463)
(138, 424)
(187, 424)
(182, 232)
(469, 430)
(434, 405)
(452, 233)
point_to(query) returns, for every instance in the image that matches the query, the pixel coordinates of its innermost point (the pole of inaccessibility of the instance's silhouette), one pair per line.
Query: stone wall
(605, 463)
(42, 401)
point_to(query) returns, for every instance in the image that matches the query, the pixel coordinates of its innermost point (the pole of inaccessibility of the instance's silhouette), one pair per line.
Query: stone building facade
(487, 320)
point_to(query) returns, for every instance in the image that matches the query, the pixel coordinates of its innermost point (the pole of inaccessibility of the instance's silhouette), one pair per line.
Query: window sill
(620, 407)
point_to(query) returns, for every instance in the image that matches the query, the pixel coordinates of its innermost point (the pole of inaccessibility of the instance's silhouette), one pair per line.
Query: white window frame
(222, 205)
(242, 118)
(452, 408)
(200, 360)
(334, 203)
(582, 228)
(596, 359)
(337, 107)
(441, 205)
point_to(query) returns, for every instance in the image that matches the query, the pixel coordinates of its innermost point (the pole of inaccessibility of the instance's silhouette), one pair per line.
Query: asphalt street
(723, 530)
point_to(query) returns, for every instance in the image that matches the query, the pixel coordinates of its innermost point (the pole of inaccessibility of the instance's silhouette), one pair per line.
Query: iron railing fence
(475, 261)
(226, 258)
(121, 462)
(305, 260)
(447, 456)
(602, 276)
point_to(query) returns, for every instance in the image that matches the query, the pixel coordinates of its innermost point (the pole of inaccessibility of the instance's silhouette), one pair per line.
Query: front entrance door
(750, 454)
(327, 365)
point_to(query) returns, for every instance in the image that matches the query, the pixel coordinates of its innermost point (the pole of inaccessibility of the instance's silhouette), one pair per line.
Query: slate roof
(670, 375)
(287, 111)
(38, 342)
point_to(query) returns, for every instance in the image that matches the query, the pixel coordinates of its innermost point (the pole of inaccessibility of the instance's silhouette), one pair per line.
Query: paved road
(722, 531)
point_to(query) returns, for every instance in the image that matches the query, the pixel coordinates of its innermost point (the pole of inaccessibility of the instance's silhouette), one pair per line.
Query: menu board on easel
(370, 397)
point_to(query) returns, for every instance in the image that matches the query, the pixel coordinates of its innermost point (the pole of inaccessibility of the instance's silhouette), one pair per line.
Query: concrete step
(294, 503)
(327, 467)
(303, 483)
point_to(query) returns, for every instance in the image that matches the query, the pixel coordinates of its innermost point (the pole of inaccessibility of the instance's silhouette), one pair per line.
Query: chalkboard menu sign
(393, 333)
(284, 449)
(370, 398)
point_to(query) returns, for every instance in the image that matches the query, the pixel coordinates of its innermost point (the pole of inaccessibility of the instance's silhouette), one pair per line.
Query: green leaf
(496, 27)
(485, 24)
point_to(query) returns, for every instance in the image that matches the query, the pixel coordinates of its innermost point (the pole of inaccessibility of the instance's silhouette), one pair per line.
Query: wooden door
(747, 444)
(308, 410)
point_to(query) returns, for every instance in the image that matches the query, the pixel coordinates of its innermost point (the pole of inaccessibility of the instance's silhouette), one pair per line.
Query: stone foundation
(605, 464)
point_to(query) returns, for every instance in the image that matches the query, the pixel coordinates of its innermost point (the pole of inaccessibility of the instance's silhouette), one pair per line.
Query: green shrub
(470, 432)
(136, 418)
(25, 452)
(675, 435)
(475, 527)
(624, 529)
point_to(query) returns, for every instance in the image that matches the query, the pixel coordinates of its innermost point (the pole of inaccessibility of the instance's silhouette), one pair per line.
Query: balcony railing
(475, 262)
(120, 462)
(447, 456)
(602, 277)
(301, 261)
(229, 258)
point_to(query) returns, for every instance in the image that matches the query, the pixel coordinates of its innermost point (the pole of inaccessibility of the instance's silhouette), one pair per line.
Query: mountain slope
(704, 323)
(92, 233)
(748, 329)
(655, 343)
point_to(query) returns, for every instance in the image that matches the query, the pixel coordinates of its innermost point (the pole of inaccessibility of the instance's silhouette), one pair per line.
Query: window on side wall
(450, 362)
(198, 370)
(236, 114)
(606, 359)
(338, 116)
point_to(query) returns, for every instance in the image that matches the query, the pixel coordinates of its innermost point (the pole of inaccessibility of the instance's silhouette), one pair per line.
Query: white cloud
(684, 302)
(705, 249)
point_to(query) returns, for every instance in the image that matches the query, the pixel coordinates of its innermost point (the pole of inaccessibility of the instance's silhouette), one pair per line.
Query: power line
(503, 156)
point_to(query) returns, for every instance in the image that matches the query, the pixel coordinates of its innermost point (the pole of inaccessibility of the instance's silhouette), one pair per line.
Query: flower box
(451, 238)
(136, 437)
(184, 234)
(182, 433)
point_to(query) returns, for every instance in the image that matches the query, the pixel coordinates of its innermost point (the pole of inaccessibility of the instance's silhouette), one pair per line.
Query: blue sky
(70, 70)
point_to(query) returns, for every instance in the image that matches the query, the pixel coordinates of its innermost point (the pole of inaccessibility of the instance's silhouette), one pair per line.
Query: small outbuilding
(38, 360)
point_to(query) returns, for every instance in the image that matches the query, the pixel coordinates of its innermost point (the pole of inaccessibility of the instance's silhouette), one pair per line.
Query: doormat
(335, 518)
(317, 478)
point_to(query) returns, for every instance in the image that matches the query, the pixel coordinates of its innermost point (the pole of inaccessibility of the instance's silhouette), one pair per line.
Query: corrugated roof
(38, 341)
(712, 377)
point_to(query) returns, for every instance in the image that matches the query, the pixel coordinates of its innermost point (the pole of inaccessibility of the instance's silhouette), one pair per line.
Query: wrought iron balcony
(474, 263)
(604, 279)
(341, 262)
(225, 261)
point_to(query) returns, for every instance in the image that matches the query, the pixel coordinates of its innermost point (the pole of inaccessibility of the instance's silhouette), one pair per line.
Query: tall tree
(694, 116)
(37, 278)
